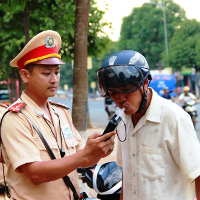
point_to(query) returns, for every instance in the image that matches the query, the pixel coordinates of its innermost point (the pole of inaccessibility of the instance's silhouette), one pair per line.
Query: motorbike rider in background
(110, 107)
(166, 94)
(186, 96)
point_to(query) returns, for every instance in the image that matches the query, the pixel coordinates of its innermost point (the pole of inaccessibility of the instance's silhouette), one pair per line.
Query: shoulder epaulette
(59, 104)
(3, 105)
(17, 107)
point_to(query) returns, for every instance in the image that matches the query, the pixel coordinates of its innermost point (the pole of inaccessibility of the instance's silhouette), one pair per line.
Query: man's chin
(51, 94)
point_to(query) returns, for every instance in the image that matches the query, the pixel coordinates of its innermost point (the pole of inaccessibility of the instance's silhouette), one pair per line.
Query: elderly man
(160, 157)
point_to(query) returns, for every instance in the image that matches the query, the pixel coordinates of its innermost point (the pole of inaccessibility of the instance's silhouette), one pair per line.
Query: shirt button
(134, 174)
(134, 192)
(133, 155)
(133, 135)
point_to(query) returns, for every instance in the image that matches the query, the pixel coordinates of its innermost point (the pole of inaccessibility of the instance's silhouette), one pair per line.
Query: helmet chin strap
(143, 102)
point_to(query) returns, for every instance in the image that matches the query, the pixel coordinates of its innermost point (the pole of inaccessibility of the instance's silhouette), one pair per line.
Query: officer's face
(43, 80)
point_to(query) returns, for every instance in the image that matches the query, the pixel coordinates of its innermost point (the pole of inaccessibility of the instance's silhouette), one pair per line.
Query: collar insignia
(39, 114)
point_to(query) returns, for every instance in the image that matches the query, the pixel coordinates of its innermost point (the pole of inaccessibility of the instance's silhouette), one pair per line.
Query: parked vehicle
(105, 179)
(191, 109)
(111, 109)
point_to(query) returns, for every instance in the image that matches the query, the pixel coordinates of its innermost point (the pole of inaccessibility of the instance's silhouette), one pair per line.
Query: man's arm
(197, 185)
(193, 97)
(45, 171)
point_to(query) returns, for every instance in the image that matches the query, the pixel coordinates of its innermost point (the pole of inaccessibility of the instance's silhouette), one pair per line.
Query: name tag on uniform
(67, 132)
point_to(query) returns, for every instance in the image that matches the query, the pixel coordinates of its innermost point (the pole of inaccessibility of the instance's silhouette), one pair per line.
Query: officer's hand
(97, 148)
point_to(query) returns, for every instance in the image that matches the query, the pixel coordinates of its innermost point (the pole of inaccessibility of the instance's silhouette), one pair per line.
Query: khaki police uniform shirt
(161, 154)
(21, 144)
(2, 197)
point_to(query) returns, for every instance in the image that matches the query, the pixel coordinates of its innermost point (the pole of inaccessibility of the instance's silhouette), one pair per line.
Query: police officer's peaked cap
(41, 49)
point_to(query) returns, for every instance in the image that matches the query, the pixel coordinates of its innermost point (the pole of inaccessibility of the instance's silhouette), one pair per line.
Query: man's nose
(121, 98)
(54, 78)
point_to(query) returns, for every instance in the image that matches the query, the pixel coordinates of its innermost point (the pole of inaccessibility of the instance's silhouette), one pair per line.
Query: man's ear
(25, 74)
(146, 82)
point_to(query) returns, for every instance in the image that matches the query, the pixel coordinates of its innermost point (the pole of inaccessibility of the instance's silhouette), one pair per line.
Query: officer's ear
(25, 74)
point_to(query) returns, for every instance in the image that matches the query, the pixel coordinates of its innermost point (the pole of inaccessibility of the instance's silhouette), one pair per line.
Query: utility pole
(196, 81)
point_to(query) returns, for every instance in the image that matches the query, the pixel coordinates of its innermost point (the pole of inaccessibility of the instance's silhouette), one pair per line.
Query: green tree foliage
(185, 45)
(58, 15)
(143, 29)
(66, 72)
(197, 51)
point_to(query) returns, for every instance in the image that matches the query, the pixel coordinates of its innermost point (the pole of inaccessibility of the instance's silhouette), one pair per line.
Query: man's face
(166, 91)
(186, 92)
(130, 101)
(43, 80)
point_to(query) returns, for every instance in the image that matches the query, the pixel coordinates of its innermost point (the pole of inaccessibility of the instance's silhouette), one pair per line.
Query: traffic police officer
(32, 174)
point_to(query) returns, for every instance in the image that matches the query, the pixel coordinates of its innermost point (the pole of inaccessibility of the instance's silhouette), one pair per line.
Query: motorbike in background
(111, 109)
(105, 179)
(191, 109)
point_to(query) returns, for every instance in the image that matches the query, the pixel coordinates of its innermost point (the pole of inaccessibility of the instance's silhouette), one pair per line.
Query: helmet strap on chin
(144, 100)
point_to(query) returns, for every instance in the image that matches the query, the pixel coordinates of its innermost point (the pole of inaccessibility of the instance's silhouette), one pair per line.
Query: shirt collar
(153, 112)
(37, 110)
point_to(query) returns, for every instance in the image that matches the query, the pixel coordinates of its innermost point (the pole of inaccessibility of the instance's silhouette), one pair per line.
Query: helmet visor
(123, 79)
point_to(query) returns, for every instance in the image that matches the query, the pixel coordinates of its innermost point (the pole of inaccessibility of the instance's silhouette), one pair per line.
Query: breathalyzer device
(113, 123)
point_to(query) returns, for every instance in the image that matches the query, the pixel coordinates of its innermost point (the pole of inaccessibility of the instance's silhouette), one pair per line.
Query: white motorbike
(191, 109)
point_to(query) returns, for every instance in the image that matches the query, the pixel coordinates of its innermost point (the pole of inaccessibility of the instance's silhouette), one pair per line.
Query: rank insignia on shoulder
(59, 104)
(3, 105)
(17, 107)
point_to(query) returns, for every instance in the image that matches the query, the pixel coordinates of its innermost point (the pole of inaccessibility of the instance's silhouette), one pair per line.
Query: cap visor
(50, 61)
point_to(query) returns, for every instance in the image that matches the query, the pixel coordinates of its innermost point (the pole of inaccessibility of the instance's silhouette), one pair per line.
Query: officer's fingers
(94, 135)
(109, 150)
(108, 135)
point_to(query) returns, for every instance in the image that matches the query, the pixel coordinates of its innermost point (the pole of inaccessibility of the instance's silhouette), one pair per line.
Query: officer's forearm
(45, 171)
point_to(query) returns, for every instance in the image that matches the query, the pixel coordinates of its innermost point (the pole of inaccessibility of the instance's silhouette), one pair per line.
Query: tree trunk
(80, 74)
(26, 23)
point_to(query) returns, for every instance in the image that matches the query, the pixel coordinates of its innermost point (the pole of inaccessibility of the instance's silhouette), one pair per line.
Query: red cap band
(36, 53)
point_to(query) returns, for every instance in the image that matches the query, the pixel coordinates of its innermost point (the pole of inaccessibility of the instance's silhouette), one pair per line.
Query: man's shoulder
(191, 95)
(165, 107)
(17, 106)
(3, 108)
(58, 104)
(3, 105)
(181, 96)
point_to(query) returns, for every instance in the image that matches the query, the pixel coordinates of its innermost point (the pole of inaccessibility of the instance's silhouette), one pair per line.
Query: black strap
(65, 178)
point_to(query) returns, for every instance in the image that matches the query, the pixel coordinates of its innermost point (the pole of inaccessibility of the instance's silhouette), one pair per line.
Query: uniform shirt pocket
(71, 143)
(152, 163)
(43, 151)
